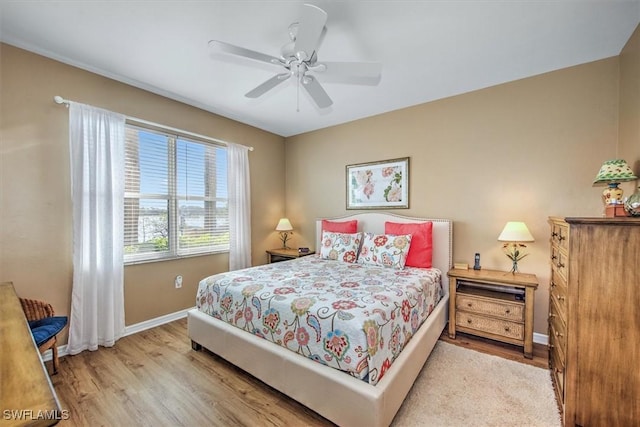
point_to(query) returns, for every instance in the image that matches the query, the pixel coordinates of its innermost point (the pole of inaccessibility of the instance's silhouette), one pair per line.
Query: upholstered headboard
(373, 222)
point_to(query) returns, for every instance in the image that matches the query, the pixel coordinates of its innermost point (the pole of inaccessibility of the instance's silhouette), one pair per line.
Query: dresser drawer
(557, 334)
(560, 264)
(494, 326)
(555, 255)
(556, 365)
(504, 310)
(558, 296)
(560, 235)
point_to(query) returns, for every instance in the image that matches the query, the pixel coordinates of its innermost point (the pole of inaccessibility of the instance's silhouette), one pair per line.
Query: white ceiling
(429, 49)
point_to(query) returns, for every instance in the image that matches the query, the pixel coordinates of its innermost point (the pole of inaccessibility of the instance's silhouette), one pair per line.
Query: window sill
(174, 258)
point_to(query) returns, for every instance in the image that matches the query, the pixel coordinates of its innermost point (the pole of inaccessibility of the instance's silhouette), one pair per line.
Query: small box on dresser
(594, 319)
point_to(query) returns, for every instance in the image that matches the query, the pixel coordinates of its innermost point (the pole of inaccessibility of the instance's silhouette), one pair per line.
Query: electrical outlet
(178, 282)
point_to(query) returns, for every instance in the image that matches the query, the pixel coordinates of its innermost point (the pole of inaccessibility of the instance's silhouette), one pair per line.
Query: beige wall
(629, 128)
(523, 150)
(35, 209)
(518, 151)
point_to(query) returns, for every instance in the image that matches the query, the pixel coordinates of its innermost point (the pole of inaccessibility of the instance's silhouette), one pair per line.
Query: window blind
(176, 200)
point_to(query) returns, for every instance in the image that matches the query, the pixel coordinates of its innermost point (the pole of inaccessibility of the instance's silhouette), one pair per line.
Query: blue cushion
(44, 329)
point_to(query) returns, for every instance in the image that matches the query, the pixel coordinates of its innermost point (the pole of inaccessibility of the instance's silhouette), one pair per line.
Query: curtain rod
(60, 100)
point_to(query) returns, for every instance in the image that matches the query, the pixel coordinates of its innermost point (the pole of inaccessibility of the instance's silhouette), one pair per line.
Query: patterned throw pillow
(385, 250)
(340, 246)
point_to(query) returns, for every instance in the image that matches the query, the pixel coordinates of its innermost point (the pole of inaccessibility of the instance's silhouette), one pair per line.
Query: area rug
(462, 387)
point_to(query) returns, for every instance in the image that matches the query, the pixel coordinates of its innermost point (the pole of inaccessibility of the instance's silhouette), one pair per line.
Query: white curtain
(96, 139)
(239, 207)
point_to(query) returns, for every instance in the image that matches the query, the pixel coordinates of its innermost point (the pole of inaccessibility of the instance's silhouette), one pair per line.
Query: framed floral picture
(378, 185)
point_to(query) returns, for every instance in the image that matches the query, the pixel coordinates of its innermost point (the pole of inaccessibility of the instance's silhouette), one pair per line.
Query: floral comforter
(352, 317)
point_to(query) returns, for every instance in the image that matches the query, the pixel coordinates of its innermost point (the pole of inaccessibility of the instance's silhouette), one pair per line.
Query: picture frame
(378, 185)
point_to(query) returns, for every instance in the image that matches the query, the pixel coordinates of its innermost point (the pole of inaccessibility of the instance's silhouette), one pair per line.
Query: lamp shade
(515, 231)
(284, 225)
(614, 171)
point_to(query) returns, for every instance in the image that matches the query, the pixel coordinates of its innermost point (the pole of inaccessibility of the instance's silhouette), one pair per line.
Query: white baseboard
(540, 338)
(130, 330)
(152, 323)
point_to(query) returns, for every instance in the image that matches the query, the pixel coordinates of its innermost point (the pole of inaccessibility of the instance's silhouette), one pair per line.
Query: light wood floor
(154, 378)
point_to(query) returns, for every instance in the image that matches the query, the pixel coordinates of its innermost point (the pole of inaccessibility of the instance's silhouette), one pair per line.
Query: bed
(356, 398)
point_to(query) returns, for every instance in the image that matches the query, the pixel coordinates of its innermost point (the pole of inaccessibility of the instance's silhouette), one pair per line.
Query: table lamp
(514, 233)
(612, 173)
(284, 227)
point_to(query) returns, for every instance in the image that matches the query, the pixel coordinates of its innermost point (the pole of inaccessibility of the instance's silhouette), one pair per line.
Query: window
(175, 196)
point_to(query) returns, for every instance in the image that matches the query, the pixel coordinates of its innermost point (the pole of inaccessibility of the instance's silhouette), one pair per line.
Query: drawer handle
(553, 257)
(551, 316)
(561, 237)
(554, 234)
(552, 346)
(553, 284)
(506, 329)
(507, 311)
(560, 265)
(469, 304)
(559, 298)
(558, 370)
(469, 321)
(558, 334)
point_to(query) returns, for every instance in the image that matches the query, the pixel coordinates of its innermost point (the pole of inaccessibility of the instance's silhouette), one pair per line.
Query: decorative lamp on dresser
(594, 320)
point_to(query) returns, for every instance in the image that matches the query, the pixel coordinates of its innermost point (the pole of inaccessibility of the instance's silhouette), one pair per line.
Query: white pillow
(340, 246)
(385, 250)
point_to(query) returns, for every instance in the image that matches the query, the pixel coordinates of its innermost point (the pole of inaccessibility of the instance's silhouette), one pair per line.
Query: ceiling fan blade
(268, 85)
(316, 91)
(216, 46)
(309, 30)
(354, 69)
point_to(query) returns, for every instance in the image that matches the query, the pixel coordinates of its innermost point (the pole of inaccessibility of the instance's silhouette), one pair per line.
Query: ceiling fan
(299, 58)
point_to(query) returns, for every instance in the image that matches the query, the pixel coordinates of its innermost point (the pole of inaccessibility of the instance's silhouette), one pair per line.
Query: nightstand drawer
(491, 307)
(493, 326)
(279, 258)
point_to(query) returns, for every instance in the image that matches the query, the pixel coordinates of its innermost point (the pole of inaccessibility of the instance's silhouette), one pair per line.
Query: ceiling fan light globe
(287, 50)
(293, 31)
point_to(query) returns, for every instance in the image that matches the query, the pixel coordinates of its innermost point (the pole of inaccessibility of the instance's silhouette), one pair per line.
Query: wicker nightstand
(493, 304)
(277, 255)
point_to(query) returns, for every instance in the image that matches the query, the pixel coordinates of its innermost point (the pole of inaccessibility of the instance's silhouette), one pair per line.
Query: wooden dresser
(594, 319)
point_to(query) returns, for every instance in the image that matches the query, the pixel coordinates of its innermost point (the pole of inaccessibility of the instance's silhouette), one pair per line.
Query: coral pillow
(385, 250)
(340, 246)
(340, 227)
(421, 250)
